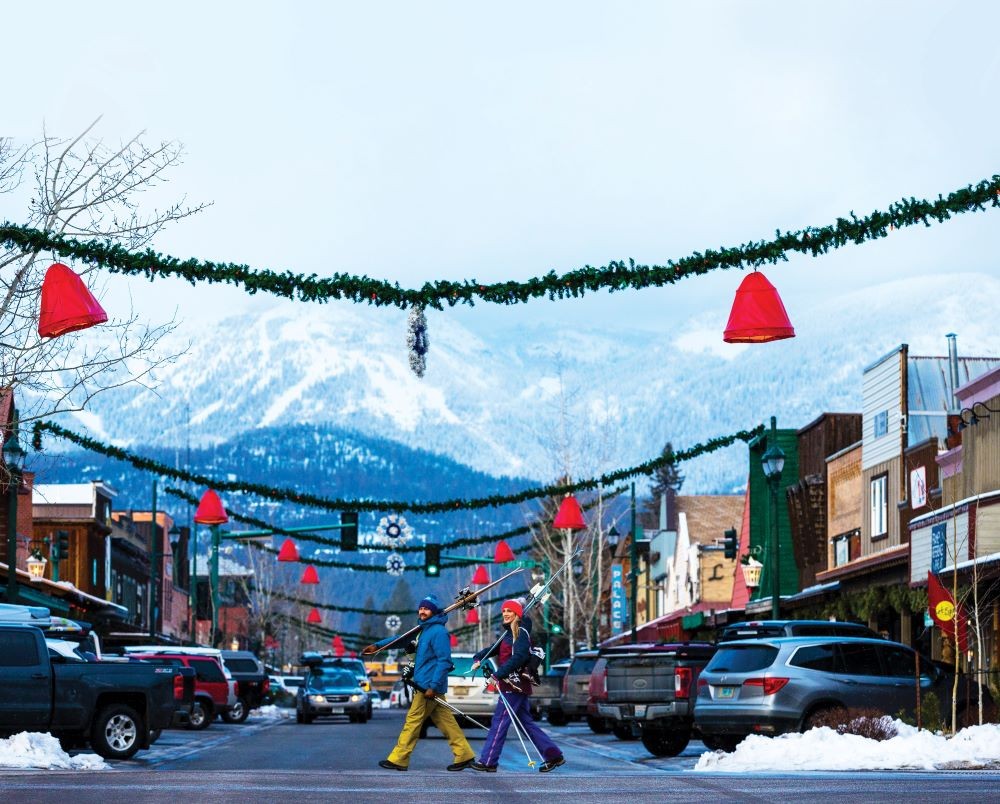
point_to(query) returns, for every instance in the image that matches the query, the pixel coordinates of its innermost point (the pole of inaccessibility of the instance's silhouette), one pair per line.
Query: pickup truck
(115, 707)
(652, 686)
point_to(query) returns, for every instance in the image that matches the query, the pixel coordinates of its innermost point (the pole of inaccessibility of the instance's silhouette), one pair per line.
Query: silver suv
(773, 686)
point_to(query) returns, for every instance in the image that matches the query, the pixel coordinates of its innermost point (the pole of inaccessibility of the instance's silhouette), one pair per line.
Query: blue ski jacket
(433, 660)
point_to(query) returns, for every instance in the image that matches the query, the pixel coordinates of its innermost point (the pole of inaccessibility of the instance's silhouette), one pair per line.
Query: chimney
(953, 369)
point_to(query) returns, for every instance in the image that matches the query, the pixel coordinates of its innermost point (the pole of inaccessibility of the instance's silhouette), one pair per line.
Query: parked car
(786, 684)
(576, 686)
(331, 691)
(651, 689)
(597, 693)
(400, 695)
(252, 683)
(115, 707)
(214, 693)
(282, 689)
(547, 693)
(760, 629)
(312, 660)
(467, 690)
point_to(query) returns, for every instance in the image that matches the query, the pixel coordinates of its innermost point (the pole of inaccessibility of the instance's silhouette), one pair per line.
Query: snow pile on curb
(824, 749)
(35, 750)
(272, 712)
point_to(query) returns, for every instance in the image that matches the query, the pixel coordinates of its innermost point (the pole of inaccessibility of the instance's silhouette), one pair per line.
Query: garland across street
(288, 495)
(616, 275)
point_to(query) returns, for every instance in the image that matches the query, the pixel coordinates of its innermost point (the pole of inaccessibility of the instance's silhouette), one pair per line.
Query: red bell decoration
(503, 553)
(288, 551)
(338, 646)
(67, 304)
(453, 639)
(570, 517)
(480, 576)
(758, 315)
(314, 617)
(472, 617)
(309, 575)
(210, 510)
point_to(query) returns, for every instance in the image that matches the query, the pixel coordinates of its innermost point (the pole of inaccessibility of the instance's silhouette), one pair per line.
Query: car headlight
(317, 698)
(356, 698)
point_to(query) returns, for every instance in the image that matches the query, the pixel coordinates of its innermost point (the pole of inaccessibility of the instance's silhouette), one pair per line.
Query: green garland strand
(614, 276)
(299, 498)
(386, 612)
(335, 542)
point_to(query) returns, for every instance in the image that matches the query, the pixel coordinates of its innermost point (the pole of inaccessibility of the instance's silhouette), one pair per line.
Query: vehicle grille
(338, 698)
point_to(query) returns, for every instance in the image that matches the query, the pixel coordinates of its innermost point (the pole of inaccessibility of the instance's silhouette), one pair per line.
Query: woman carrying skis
(512, 653)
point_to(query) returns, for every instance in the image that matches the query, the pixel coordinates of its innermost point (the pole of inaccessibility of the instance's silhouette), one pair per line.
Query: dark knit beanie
(430, 602)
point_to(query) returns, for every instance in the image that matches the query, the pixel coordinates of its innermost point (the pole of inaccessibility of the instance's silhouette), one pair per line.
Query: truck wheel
(238, 713)
(598, 725)
(665, 743)
(623, 731)
(116, 730)
(200, 717)
(557, 718)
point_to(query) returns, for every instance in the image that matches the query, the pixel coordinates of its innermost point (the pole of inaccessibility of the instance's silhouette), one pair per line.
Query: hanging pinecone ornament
(395, 565)
(416, 340)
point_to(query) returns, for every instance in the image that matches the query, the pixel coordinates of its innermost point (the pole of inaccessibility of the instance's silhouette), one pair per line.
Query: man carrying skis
(430, 682)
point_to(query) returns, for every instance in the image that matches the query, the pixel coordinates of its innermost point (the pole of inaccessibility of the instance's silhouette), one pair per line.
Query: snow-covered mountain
(539, 400)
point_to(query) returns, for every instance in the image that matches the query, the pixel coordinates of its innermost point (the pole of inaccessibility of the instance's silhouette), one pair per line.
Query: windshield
(330, 678)
(463, 665)
(742, 658)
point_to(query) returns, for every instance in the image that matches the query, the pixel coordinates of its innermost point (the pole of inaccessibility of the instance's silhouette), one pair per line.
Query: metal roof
(930, 395)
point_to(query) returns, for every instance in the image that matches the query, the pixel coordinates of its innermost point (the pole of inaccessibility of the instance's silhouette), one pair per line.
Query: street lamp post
(633, 573)
(13, 458)
(773, 462)
(154, 569)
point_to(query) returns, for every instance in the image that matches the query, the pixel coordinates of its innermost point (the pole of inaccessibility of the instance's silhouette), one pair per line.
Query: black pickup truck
(115, 707)
(653, 686)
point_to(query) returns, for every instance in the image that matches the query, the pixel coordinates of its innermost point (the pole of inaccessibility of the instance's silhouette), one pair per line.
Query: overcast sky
(418, 141)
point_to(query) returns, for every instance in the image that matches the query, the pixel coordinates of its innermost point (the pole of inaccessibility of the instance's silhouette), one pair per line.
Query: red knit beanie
(514, 605)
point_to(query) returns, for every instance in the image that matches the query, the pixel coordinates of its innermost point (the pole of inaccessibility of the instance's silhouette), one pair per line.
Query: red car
(214, 691)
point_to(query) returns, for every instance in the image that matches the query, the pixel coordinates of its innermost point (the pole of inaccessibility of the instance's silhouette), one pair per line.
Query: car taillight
(178, 686)
(267, 685)
(682, 682)
(565, 685)
(769, 684)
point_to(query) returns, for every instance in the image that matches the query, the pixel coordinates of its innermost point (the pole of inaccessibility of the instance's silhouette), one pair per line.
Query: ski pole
(518, 725)
(454, 709)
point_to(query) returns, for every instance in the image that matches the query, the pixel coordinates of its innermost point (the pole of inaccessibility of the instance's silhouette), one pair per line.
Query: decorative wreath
(395, 565)
(392, 622)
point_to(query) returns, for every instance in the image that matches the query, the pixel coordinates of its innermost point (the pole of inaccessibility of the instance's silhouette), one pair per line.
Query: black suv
(252, 683)
(768, 629)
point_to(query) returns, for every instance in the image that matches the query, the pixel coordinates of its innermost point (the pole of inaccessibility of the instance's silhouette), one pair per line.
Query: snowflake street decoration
(393, 531)
(392, 622)
(395, 565)
(416, 340)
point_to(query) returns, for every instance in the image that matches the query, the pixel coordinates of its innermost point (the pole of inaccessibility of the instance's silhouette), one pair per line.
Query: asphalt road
(281, 761)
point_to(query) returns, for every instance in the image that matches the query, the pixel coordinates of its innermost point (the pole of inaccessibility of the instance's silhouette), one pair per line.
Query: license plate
(725, 692)
(460, 691)
(640, 710)
(336, 710)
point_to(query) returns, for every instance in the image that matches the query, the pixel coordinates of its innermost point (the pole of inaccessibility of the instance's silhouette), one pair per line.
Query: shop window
(878, 501)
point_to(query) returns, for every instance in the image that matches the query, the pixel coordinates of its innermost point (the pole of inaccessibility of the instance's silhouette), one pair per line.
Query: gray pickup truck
(115, 707)
(653, 686)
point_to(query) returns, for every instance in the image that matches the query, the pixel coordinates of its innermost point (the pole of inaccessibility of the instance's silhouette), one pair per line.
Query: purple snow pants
(490, 755)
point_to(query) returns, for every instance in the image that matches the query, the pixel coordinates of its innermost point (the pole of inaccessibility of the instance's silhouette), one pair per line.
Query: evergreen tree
(372, 627)
(401, 599)
(666, 478)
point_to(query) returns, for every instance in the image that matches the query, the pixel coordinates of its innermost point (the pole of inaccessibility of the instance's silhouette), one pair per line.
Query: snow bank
(34, 750)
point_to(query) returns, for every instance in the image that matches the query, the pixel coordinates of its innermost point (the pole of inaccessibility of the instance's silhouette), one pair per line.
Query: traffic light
(60, 547)
(349, 530)
(730, 543)
(432, 560)
(555, 628)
